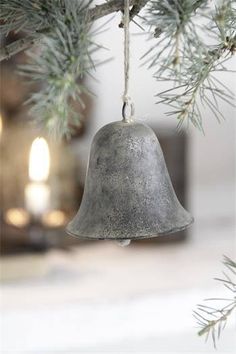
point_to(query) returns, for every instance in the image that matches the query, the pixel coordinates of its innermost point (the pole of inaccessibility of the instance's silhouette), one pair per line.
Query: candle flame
(39, 160)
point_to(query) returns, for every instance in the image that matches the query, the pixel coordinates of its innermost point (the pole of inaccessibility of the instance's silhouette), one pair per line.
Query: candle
(37, 192)
(37, 198)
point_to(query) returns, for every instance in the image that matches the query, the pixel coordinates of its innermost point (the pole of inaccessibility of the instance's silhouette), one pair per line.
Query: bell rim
(140, 237)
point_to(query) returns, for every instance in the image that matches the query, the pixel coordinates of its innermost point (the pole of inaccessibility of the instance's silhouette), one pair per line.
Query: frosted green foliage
(61, 61)
(184, 54)
(212, 319)
(192, 41)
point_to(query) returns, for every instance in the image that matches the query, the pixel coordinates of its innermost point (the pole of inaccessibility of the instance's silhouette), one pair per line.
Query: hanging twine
(128, 108)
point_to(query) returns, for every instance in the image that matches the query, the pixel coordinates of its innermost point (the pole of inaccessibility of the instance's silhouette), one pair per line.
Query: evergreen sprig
(199, 87)
(183, 56)
(174, 31)
(63, 61)
(211, 319)
(26, 15)
(193, 39)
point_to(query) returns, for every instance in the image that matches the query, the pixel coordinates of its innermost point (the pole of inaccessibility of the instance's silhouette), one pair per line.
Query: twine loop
(127, 111)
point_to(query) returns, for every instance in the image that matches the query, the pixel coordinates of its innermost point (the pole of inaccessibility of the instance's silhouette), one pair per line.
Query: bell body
(128, 192)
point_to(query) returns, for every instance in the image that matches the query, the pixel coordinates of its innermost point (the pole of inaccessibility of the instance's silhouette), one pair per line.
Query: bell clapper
(123, 243)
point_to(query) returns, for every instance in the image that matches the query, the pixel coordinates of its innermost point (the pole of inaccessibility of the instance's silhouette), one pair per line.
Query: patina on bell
(128, 193)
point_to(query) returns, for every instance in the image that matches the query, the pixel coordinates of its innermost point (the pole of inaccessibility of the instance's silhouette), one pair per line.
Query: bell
(128, 193)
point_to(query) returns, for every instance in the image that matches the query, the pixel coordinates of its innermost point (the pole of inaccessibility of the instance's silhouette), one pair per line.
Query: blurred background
(62, 295)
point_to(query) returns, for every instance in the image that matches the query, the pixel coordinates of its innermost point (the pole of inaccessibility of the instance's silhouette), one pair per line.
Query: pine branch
(139, 4)
(6, 52)
(200, 85)
(94, 14)
(59, 65)
(108, 8)
(62, 60)
(211, 319)
(180, 56)
(173, 25)
(137, 8)
(184, 59)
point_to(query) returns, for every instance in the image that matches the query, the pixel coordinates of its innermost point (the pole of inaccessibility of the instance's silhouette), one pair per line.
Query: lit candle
(37, 193)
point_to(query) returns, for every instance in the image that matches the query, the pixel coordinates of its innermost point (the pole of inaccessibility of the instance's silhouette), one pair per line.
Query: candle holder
(35, 206)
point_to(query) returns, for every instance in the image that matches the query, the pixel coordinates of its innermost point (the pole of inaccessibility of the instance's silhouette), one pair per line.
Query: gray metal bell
(128, 192)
